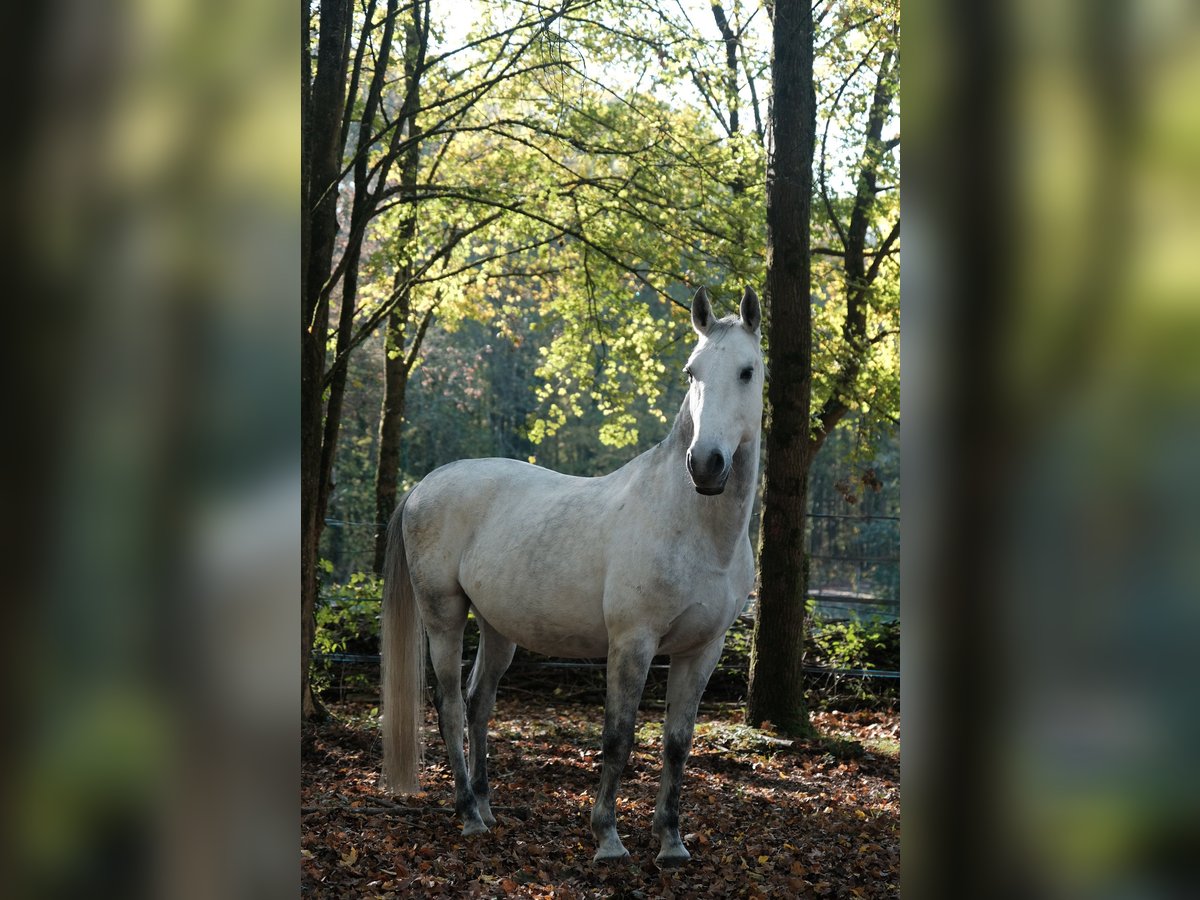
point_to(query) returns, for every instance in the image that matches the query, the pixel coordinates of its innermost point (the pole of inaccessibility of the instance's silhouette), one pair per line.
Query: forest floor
(761, 816)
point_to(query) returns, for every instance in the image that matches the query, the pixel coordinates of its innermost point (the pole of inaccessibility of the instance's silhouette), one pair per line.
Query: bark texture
(397, 362)
(776, 675)
(323, 104)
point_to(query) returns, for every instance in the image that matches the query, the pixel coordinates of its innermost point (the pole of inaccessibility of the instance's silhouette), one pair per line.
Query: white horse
(653, 558)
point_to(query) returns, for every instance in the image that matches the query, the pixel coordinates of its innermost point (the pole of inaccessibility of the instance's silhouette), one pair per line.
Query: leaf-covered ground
(761, 816)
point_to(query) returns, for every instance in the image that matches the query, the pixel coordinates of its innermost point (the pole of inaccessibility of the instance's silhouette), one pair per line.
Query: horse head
(725, 398)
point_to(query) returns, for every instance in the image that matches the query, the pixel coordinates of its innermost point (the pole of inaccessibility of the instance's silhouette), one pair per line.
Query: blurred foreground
(1051, 395)
(1051, 392)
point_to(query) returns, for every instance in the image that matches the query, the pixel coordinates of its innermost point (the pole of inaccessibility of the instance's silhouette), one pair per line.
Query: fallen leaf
(779, 822)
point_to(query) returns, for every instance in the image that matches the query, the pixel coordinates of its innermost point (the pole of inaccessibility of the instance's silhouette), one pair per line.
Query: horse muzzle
(708, 472)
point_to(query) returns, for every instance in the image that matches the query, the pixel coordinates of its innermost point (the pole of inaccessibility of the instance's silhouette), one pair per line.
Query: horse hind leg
(686, 681)
(495, 655)
(445, 622)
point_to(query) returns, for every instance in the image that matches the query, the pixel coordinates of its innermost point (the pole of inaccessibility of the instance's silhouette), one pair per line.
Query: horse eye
(747, 373)
(688, 372)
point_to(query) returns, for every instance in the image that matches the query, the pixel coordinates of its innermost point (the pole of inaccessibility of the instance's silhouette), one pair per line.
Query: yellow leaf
(764, 859)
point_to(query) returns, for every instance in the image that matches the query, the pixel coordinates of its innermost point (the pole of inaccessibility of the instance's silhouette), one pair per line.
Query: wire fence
(372, 659)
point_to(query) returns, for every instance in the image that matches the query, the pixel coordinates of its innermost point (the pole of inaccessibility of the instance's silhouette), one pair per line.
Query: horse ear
(702, 314)
(750, 311)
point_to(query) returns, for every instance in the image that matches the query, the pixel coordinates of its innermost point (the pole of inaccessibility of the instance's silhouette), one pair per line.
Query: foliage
(578, 178)
(550, 176)
(848, 647)
(855, 216)
(581, 168)
(347, 622)
(855, 643)
(349, 613)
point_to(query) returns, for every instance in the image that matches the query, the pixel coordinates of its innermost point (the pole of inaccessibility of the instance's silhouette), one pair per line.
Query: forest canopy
(509, 205)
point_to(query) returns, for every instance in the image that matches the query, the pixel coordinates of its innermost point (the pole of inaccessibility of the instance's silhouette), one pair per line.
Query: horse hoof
(473, 828)
(485, 813)
(672, 857)
(605, 856)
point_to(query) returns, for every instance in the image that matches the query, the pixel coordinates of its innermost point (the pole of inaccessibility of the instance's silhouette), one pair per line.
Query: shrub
(347, 618)
(859, 644)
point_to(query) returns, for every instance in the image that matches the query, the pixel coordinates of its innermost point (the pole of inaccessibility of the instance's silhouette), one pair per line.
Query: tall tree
(353, 132)
(777, 683)
(833, 351)
(399, 359)
(323, 97)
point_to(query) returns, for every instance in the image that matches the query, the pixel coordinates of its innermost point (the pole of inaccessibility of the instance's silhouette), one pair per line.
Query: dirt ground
(762, 816)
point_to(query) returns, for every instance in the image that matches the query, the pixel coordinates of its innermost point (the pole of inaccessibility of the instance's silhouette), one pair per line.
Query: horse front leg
(628, 664)
(685, 685)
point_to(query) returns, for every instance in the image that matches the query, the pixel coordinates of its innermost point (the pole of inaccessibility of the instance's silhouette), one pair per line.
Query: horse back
(527, 546)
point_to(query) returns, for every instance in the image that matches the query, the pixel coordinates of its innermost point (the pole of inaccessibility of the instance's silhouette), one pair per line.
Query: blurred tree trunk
(776, 673)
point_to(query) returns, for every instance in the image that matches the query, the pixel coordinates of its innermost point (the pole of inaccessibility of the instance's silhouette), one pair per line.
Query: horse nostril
(716, 462)
(706, 468)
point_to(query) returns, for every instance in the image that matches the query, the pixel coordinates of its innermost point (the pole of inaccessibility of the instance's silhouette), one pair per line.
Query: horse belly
(537, 605)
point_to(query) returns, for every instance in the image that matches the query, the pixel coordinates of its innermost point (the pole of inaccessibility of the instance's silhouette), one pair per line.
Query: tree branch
(577, 234)
(858, 277)
(837, 98)
(731, 64)
(885, 250)
(376, 318)
(758, 125)
(414, 346)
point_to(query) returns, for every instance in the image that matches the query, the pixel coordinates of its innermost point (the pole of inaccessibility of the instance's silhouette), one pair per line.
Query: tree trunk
(322, 114)
(396, 362)
(776, 672)
(391, 420)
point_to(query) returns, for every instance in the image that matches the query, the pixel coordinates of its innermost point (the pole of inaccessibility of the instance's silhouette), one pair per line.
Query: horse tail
(402, 650)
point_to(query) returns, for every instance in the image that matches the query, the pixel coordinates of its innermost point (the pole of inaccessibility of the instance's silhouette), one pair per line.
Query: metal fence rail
(372, 659)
